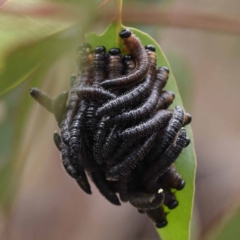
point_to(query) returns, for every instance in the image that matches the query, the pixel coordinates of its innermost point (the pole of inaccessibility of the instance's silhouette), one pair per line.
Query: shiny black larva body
(116, 127)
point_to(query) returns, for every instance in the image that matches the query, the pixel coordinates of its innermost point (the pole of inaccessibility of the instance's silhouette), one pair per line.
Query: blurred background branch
(133, 14)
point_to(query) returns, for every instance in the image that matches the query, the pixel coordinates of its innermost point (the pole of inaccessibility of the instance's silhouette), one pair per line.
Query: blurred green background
(41, 201)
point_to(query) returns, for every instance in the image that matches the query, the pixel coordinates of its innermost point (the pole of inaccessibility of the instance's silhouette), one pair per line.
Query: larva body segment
(169, 133)
(111, 143)
(78, 174)
(42, 98)
(73, 100)
(90, 119)
(134, 96)
(147, 201)
(94, 94)
(158, 216)
(172, 179)
(127, 165)
(134, 46)
(147, 108)
(57, 140)
(158, 169)
(129, 64)
(126, 100)
(124, 148)
(123, 188)
(77, 129)
(99, 65)
(165, 100)
(104, 187)
(115, 63)
(156, 123)
(170, 200)
(98, 141)
(59, 106)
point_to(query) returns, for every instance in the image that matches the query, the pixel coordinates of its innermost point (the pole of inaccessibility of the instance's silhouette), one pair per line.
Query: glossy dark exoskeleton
(134, 46)
(117, 129)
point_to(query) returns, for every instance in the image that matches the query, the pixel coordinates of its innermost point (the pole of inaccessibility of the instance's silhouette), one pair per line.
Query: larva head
(172, 94)
(84, 51)
(84, 47)
(161, 224)
(150, 48)
(181, 185)
(125, 33)
(166, 69)
(114, 51)
(187, 119)
(187, 141)
(100, 49)
(173, 204)
(127, 58)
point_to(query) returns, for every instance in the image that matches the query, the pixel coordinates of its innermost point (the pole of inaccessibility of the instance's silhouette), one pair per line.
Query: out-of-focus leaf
(180, 218)
(31, 61)
(10, 170)
(19, 63)
(226, 225)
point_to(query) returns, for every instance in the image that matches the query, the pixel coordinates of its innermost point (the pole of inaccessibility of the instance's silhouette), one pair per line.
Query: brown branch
(137, 14)
(152, 15)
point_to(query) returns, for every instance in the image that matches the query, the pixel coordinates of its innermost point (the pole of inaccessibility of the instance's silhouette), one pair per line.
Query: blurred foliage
(30, 45)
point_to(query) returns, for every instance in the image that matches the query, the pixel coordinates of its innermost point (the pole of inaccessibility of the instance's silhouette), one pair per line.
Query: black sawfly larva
(134, 46)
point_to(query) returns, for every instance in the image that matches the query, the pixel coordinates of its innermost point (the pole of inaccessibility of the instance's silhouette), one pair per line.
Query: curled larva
(134, 96)
(94, 93)
(124, 148)
(134, 46)
(148, 107)
(156, 123)
(77, 130)
(73, 100)
(172, 179)
(111, 144)
(77, 173)
(147, 201)
(104, 187)
(156, 170)
(169, 134)
(128, 164)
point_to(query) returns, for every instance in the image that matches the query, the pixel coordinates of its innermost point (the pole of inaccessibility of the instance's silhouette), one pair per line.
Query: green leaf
(56, 38)
(180, 218)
